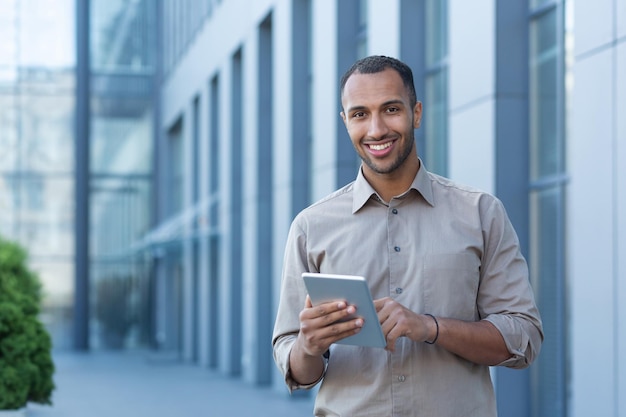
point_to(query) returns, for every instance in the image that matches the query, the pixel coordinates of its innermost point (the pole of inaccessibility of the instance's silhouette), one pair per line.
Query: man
(442, 261)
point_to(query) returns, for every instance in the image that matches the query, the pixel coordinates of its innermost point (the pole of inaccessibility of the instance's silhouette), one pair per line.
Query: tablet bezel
(354, 290)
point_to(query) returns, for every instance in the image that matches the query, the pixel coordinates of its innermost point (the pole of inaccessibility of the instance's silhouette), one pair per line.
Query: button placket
(393, 223)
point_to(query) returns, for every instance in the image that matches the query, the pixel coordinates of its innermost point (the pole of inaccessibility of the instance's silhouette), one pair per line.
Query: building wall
(597, 210)
(471, 94)
(324, 113)
(252, 120)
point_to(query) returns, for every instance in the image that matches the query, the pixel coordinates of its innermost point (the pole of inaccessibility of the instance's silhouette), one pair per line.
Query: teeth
(380, 147)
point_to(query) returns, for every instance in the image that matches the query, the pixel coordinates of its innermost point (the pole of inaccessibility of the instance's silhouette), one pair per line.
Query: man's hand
(323, 325)
(398, 321)
(479, 342)
(320, 326)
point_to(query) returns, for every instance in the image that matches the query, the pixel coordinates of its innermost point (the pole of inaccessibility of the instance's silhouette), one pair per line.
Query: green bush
(26, 366)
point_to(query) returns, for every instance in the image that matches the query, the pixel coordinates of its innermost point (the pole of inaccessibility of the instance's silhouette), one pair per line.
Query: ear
(343, 117)
(417, 115)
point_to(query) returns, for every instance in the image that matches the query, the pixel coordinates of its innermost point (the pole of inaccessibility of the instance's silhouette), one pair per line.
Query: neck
(395, 183)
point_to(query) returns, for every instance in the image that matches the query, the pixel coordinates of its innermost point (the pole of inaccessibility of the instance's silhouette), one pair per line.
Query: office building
(191, 194)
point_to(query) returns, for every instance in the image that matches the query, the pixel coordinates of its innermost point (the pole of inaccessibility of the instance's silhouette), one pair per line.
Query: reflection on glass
(546, 143)
(436, 31)
(122, 34)
(175, 179)
(36, 146)
(122, 53)
(538, 3)
(436, 125)
(436, 83)
(547, 208)
(546, 247)
(362, 30)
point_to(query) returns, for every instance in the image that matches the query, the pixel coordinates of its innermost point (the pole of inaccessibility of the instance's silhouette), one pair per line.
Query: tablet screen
(354, 290)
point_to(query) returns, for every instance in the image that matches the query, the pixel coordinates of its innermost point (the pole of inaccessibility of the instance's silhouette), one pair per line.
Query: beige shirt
(439, 248)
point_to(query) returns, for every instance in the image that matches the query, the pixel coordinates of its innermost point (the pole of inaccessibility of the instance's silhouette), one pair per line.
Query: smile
(380, 147)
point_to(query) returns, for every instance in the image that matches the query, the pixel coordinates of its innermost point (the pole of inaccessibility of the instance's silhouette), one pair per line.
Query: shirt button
(398, 290)
(397, 248)
(401, 378)
(394, 211)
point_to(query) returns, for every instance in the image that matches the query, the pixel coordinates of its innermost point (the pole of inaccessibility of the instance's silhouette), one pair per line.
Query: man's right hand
(320, 326)
(323, 325)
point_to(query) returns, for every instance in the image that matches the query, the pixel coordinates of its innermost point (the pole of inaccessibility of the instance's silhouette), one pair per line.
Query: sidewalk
(124, 384)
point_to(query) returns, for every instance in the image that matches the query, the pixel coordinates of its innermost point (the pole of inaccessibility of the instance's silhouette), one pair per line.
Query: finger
(338, 309)
(307, 302)
(319, 335)
(344, 315)
(391, 345)
(380, 303)
(315, 319)
(340, 330)
(395, 331)
(385, 312)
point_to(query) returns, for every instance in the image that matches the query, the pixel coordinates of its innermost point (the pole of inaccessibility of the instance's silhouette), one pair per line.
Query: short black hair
(377, 63)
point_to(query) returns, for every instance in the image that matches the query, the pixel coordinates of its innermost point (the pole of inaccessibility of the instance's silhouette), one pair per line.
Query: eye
(392, 109)
(358, 115)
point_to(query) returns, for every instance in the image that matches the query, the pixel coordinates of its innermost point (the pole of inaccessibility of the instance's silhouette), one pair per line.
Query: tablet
(353, 289)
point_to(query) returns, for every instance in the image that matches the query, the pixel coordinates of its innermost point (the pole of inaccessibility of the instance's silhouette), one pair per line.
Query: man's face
(380, 120)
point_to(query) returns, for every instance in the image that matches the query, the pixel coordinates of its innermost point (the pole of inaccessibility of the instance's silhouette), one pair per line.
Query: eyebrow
(385, 104)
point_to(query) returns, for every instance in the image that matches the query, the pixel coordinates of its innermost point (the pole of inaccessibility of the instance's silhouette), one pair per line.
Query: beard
(404, 153)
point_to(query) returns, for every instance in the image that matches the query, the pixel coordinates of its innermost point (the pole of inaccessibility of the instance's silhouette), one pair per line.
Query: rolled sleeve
(522, 337)
(506, 298)
(282, 352)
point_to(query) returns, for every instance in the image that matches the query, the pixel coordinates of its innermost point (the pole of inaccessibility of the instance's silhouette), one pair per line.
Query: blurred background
(153, 154)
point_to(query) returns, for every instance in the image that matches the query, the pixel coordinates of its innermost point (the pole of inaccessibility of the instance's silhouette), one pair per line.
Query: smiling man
(442, 262)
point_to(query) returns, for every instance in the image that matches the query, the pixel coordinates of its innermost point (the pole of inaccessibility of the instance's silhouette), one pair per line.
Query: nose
(377, 128)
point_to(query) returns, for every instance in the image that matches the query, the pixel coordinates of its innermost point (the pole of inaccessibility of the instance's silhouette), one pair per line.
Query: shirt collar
(363, 190)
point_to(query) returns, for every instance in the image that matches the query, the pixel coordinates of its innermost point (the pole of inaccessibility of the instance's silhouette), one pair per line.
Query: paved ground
(105, 384)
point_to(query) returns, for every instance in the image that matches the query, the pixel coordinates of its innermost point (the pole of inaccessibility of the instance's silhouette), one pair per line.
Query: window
(351, 45)
(214, 248)
(35, 189)
(302, 99)
(435, 116)
(361, 42)
(175, 169)
(547, 190)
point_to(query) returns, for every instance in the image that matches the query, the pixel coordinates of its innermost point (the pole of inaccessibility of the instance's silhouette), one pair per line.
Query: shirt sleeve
(292, 299)
(282, 351)
(506, 298)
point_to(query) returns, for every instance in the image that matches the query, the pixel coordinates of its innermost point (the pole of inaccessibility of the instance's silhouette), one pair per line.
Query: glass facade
(36, 147)
(435, 117)
(361, 43)
(302, 98)
(547, 202)
(184, 20)
(122, 68)
(352, 44)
